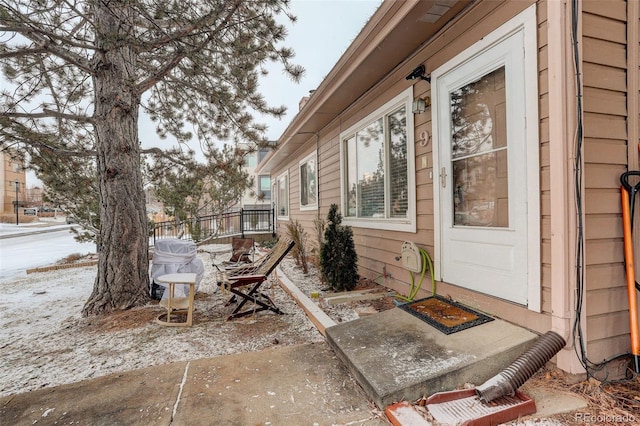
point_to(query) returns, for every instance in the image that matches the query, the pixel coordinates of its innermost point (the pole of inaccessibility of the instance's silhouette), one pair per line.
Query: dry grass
(73, 258)
(609, 403)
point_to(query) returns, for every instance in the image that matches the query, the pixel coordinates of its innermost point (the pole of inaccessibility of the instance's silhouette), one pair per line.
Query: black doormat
(445, 315)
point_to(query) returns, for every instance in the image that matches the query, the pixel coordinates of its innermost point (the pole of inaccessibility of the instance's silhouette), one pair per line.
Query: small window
(262, 153)
(264, 186)
(309, 183)
(378, 170)
(252, 158)
(282, 189)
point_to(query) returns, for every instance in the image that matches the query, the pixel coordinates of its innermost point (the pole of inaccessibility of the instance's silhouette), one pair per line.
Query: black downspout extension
(525, 366)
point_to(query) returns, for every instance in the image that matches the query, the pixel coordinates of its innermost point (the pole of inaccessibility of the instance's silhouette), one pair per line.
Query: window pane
(283, 197)
(264, 186)
(480, 195)
(251, 160)
(265, 183)
(370, 163)
(304, 187)
(351, 178)
(479, 152)
(308, 196)
(478, 116)
(312, 174)
(397, 125)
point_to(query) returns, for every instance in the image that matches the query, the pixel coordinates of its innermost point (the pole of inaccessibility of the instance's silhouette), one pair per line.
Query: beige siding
(377, 249)
(545, 184)
(605, 158)
(485, 17)
(605, 155)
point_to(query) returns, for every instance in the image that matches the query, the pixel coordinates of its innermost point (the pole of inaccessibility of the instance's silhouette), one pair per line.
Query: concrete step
(395, 356)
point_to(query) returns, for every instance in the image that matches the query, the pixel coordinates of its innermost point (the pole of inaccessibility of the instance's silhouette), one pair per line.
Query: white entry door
(481, 128)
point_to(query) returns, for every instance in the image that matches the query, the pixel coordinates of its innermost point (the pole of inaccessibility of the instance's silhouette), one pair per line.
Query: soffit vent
(435, 12)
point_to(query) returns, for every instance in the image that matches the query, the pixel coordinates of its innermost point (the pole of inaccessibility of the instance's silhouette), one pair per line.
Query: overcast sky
(322, 33)
(324, 30)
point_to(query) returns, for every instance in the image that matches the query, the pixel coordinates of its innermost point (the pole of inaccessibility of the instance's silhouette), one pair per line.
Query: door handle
(443, 177)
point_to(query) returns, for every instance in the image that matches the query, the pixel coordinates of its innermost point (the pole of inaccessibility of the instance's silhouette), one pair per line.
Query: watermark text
(587, 418)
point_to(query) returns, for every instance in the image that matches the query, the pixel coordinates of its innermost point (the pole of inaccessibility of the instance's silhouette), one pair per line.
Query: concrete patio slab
(396, 356)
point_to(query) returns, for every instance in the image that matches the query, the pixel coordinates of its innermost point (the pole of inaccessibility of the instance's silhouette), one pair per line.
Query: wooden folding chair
(245, 281)
(241, 251)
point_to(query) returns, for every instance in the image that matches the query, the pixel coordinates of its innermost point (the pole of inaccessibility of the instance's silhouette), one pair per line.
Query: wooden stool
(177, 305)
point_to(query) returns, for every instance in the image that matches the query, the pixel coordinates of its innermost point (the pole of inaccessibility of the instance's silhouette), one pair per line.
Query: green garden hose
(413, 290)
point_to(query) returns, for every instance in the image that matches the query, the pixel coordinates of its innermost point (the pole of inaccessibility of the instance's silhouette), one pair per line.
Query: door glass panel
(479, 152)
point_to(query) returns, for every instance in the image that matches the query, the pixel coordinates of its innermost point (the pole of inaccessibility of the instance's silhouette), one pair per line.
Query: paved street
(28, 246)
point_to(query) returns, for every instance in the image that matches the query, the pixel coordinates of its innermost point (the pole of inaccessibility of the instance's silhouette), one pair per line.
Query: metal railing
(229, 224)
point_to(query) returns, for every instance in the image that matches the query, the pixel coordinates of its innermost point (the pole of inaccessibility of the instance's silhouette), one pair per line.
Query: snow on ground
(24, 246)
(45, 341)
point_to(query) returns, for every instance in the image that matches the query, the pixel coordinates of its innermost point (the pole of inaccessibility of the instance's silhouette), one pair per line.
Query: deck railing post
(242, 222)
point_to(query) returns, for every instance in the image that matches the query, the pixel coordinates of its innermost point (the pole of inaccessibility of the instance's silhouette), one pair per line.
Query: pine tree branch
(153, 79)
(47, 40)
(183, 53)
(16, 132)
(180, 34)
(47, 113)
(45, 37)
(22, 52)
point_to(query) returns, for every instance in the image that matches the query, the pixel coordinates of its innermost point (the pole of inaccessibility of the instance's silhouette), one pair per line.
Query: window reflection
(479, 152)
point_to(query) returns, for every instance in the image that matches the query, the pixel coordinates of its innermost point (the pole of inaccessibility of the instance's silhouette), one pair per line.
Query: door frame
(525, 21)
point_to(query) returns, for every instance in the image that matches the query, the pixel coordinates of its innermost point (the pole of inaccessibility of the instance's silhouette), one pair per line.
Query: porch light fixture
(418, 72)
(420, 105)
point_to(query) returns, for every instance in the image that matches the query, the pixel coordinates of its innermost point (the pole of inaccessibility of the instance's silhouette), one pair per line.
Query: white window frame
(282, 179)
(407, 224)
(313, 156)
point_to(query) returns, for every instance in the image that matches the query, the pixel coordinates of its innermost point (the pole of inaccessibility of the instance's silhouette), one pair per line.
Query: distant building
(155, 207)
(14, 181)
(259, 195)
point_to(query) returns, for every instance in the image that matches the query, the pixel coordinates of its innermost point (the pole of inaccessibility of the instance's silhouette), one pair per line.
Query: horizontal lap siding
(295, 214)
(545, 184)
(605, 158)
(329, 171)
(377, 249)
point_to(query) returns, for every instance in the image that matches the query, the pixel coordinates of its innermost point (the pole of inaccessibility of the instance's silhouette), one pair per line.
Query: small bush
(338, 257)
(72, 258)
(269, 244)
(296, 232)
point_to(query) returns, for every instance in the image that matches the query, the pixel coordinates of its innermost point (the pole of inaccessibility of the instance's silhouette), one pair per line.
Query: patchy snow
(28, 246)
(46, 342)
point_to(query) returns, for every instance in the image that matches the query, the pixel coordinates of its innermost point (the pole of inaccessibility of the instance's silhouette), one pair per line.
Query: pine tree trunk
(123, 265)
